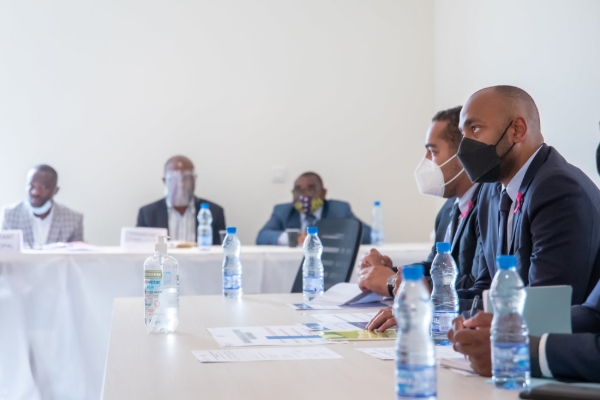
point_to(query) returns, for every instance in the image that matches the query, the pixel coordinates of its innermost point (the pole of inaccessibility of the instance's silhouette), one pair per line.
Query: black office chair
(341, 240)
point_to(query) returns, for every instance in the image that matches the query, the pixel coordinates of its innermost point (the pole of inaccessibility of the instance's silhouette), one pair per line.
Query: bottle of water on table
(312, 269)
(205, 233)
(232, 267)
(161, 290)
(416, 376)
(510, 336)
(444, 296)
(377, 235)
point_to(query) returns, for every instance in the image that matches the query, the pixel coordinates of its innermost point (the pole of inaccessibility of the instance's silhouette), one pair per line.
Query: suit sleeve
(586, 317)
(141, 221)
(270, 232)
(574, 356)
(561, 231)
(218, 225)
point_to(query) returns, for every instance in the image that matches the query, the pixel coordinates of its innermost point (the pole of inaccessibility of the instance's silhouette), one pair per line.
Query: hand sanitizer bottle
(161, 287)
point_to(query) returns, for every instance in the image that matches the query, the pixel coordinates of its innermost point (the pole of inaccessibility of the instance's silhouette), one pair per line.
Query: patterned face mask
(307, 205)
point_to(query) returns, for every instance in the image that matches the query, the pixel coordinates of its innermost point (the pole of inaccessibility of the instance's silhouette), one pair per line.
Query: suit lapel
(27, 228)
(293, 220)
(535, 165)
(162, 215)
(55, 224)
(325, 209)
(463, 221)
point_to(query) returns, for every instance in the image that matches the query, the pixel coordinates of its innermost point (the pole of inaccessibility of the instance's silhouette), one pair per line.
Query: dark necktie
(310, 220)
(454, 214)
(505, 203)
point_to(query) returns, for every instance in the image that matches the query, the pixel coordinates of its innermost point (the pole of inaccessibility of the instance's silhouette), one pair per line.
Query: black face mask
(480, 160)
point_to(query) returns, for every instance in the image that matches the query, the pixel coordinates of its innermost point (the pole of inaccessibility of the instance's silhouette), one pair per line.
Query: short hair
(49, 169)
(520, 96)
(452, 133)
(312, 175)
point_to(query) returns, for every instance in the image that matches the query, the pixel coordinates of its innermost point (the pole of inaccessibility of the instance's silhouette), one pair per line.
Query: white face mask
(43, 209)
(430, 178)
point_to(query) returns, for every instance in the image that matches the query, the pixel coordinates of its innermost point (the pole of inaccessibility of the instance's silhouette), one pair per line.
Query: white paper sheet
(265, 336)
(341, 322)
(346, 294)
(389, 353)
(266, 354)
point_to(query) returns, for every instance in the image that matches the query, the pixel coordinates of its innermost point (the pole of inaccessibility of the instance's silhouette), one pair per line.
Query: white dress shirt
(512, 189)
(283, 239)
(544, 367)
(40, 228)
(182, 227)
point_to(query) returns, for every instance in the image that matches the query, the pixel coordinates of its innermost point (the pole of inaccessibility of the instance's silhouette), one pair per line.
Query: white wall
(106, 91)
(549, 48)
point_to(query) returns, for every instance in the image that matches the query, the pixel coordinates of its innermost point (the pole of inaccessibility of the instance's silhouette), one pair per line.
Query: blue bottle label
(510, 358)
(442, 321)
(312, 284)
(416, 380)
(232, 282)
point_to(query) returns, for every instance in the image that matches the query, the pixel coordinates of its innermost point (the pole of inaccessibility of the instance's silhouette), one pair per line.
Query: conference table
(148, 366)
(56, 305)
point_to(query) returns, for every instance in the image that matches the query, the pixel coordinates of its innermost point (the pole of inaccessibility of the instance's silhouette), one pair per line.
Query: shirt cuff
(283, 239)
(544, 366)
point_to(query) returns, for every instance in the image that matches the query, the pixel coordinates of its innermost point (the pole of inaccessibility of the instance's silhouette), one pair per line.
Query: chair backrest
(341, 240)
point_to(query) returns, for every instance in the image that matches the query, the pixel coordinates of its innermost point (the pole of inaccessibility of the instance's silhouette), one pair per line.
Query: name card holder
(140, 239)
(11, 241)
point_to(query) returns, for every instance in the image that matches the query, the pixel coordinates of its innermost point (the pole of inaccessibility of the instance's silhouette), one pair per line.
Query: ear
(56, 191)
(520, 127)
(164, 181)
(324, 193)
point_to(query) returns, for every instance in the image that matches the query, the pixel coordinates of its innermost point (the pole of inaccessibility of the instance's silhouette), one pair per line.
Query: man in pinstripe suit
(41, 219)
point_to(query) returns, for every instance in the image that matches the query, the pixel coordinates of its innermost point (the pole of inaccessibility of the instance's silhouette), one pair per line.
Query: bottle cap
(203, 206)
(231, 230)
(312, 230)
(377, 203)
(412, 272)
(442, 247)
(161, 246)
(506, 262)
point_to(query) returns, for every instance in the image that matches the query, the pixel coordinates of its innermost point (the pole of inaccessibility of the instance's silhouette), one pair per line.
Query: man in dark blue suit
(178, 211)
(538, 207)
(439, 174)
(308, 207)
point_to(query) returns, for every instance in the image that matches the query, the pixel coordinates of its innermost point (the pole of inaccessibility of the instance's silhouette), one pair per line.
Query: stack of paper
(265, 336)
(343, 295)
(390, 334)
(340, 322)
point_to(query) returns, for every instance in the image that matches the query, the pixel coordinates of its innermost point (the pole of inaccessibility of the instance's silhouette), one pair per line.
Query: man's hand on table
(383, 320)
(373, 258)
(472, 338)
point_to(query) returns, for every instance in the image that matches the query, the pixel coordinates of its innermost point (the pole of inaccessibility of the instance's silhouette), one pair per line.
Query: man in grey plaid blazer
(41, 219)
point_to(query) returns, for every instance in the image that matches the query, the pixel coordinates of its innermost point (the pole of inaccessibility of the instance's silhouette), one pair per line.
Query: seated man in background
(178, 211)
(42, 220)
(540, 208)
(309, 205)
(441, 174)
(561, 356)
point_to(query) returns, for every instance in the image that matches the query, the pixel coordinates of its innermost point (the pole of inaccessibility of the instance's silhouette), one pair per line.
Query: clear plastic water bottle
(161, 290)
(377, 236)
(444, 296)
(312, 269)
(232, 267)
(416, 376)
(510, 336)
(205, 233)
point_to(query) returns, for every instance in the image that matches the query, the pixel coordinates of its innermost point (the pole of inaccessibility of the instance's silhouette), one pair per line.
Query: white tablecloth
(55, 307)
